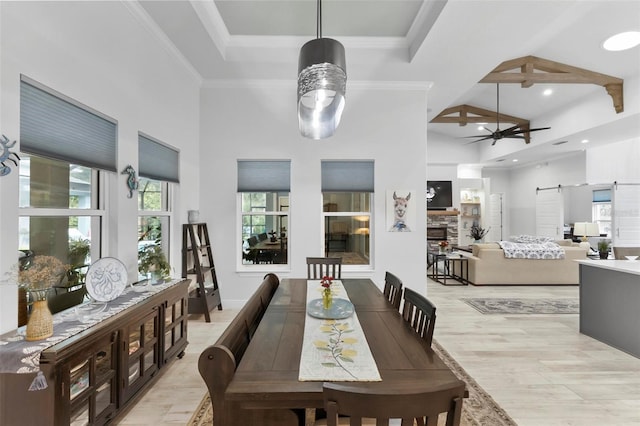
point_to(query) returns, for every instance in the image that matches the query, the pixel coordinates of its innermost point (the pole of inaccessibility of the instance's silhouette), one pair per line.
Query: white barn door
(550, 214)
(626, 215)
(495, 217)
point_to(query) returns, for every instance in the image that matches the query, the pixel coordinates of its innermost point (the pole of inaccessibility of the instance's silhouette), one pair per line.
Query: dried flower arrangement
(42, 273)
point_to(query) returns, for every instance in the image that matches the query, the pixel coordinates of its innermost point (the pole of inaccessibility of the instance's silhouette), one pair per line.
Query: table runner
(335, 350)
(18, 355)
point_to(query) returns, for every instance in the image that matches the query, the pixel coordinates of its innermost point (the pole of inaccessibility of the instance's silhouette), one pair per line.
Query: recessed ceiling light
(480, 127)
(622, 41)
(559, 142)
(584, 141)
(515, 160)
(547, 92)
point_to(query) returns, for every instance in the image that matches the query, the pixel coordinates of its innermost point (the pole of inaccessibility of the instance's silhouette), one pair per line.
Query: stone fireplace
(442, 225)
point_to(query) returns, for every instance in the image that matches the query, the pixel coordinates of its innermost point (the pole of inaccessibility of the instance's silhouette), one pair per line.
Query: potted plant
(79, 251)
(151, 260)
(477, 233)
(603, 248)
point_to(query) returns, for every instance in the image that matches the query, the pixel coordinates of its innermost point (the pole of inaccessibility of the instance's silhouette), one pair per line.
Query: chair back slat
(420, 314)
(318, 267)
(393, 289)
(384, 401)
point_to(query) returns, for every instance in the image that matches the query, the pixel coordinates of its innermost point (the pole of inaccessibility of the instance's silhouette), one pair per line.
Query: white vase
(193, 216)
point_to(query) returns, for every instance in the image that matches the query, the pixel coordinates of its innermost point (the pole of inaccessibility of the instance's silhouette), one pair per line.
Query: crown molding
(213, 23)
(150, 25)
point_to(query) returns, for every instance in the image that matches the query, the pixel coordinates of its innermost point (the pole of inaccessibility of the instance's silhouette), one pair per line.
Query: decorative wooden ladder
(197, 259)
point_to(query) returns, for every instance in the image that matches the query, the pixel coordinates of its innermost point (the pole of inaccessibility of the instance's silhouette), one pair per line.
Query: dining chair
(620, 253)
(420, 314)
(393, 289)
(383, 401)
(318, 267)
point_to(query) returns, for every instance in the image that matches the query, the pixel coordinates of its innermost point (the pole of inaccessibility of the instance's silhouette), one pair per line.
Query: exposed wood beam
(470, 114)
(465, 114)
(529, 70)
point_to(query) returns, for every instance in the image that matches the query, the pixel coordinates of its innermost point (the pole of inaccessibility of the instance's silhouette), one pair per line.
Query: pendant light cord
(319, 19)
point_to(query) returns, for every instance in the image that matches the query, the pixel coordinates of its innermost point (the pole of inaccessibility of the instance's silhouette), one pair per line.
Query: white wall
(524, 181)
(614, 162)
(260, 122)
(98, 54)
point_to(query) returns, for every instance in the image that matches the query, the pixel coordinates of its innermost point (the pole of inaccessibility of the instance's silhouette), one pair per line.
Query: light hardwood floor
(539, 368)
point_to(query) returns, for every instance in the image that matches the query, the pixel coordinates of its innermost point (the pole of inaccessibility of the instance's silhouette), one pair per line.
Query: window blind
(157, 161)
(264, 176)
(601, 195)
(54, 126)
(347, 176)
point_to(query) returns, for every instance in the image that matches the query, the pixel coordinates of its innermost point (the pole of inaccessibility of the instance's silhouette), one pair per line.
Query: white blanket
(547, 250)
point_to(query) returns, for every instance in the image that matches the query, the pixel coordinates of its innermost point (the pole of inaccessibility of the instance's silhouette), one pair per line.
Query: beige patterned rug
(477, 410)
(508, 306)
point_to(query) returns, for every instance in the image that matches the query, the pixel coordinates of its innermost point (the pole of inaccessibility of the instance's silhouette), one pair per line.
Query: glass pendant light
(322, 83)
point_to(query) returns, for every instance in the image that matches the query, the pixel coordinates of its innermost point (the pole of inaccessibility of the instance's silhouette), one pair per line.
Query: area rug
(479, 409)
(524, 306)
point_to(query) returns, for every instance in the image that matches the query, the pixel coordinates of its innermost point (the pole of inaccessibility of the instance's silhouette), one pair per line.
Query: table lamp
(586, 229)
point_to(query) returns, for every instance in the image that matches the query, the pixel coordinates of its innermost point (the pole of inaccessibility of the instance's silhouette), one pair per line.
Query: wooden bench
(217, 363)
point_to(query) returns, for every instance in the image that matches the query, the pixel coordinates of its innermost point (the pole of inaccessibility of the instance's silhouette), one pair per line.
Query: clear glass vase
(327, 299)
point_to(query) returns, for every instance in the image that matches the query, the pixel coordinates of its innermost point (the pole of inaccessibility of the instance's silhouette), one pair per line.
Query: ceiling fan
(514, 132)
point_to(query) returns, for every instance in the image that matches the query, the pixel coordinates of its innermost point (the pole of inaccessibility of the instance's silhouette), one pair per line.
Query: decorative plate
(106, 279)
(340, 309)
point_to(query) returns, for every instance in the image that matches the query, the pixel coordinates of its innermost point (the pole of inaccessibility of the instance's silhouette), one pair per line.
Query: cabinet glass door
(91, 381)
(141, 356)
(175, 327)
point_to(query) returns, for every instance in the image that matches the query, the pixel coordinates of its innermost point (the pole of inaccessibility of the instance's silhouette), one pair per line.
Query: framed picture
(401, 210)
(439, 194)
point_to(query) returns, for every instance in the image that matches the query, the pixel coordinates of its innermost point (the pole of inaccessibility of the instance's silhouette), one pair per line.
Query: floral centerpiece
(327, 299)
(443, 245)
(478, 233)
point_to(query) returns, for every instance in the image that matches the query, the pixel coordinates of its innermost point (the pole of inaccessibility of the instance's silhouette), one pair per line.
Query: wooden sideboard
(94, 375)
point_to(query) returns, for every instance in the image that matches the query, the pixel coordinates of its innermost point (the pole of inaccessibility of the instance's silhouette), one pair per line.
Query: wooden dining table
(267, 376)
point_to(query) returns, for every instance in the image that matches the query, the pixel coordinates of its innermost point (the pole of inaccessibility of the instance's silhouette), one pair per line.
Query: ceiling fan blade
(511, 128)
(530, 130)
(479, 136)
(487, 129)
(480, 140)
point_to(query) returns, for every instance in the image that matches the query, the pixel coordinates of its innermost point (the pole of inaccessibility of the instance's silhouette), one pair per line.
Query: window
(58, 210)
(347, 190)
(601, 210)
(263, 194)
(68, 147)
(158, 166)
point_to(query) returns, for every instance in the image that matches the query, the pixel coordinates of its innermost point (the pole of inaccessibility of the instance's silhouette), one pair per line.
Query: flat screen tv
(439, 195)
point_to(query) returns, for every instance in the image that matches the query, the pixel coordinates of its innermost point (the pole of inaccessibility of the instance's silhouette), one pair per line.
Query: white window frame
(260, 267)
(345, 267)
(167, 212)
(98, 197)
